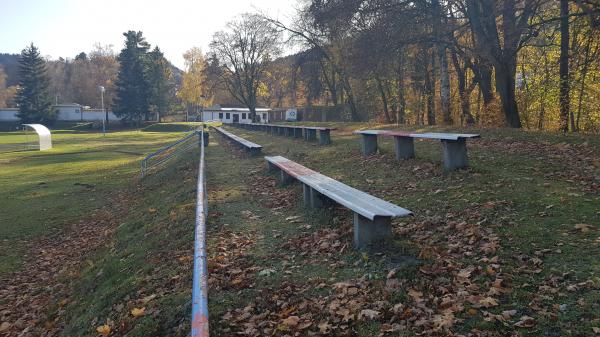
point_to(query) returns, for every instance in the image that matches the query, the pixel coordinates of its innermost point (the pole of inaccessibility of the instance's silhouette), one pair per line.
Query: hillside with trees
(531, 64)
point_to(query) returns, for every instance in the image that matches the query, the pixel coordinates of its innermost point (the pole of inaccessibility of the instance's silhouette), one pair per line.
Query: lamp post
(102, 107)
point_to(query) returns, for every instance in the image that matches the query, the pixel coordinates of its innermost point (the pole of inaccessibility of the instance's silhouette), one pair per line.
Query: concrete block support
(405, 147)
(297, 132)
(271, 167)
(369, 144)
(316, 199)
(253, 151)
(311, 135)
(286, 179)
(289, 132)
(368, 231)
(306, 194)
(324, 137)
(455, 154)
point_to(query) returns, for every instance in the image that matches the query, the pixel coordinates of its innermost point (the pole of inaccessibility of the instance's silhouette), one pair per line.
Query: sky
(64, 28)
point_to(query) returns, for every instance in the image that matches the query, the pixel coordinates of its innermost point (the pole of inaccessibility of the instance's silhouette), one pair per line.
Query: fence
(200, 278)
(164, 154)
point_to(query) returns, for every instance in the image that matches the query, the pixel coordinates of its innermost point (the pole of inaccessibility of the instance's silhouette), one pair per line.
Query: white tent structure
(43, 134)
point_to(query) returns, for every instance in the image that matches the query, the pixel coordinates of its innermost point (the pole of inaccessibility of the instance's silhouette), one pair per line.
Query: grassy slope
(267, 252)
(516, 194)
(146, 265)
(42, 191)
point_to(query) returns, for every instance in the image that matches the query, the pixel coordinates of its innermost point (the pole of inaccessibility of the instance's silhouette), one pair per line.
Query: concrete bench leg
(311, 197)
(316, 199)
(306, 194)
(324, 137)
(368, 231)
(405, 147)
(297, 133)
(455, 154)
(369, 144)
(271, 167)
(253, 151)
(286, 179)
(311, 135)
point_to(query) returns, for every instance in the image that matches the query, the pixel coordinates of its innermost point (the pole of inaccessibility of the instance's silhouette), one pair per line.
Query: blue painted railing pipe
(200, 278)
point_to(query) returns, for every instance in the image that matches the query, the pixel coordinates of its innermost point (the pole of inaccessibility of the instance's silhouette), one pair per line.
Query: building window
(220, 115)
(227, 116)
(243, 115)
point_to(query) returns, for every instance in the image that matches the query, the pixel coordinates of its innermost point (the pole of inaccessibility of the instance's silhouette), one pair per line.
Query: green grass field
(42, 191)
(516, 235)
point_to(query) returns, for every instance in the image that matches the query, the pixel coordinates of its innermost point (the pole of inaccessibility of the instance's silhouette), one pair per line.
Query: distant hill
(10, 63)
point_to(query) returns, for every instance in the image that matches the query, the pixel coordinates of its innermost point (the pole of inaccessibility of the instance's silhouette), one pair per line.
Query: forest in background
(490, 63)
(517, 63)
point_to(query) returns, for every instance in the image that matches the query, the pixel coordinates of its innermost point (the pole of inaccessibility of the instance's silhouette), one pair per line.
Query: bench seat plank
(430, 135)
(242, 141)
(453, 145)
(358, 201)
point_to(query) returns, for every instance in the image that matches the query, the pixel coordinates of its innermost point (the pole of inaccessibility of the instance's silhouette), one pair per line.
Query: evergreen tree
(33, 97)
(161, 82)
(133, 89)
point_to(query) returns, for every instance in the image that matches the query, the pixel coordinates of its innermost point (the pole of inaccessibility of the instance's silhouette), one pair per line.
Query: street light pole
(102, 105)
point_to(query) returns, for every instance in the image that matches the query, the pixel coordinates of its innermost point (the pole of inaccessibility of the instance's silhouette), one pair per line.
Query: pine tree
(161, 82)
(33, 97)
(133, 89)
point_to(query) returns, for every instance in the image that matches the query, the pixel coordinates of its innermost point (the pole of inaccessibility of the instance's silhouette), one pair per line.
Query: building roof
(219, 109)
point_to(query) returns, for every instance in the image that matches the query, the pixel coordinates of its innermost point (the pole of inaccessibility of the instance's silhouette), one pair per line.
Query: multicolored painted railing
(200, 281)
(165, 153)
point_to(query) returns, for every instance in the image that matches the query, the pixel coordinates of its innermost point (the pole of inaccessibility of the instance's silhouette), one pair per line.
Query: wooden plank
(429, 135)
(244, 142)
(358, 201)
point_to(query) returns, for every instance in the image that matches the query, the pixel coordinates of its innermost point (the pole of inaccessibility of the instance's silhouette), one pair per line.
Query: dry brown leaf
(583, 227)
(137, 312)
(104, 330)
(4, 326)
(488, 302)
(368, 313)
(291, 321)
(525, 322)
(324, 327)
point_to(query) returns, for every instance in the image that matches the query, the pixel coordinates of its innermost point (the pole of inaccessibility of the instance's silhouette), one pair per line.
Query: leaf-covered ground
(507, 247)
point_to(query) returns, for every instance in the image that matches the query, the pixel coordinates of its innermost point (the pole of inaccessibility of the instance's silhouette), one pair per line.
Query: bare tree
(244, 49)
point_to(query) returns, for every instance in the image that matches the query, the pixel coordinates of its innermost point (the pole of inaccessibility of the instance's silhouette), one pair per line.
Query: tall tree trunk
(440, 47)
(383, 100)
(584, 72)
(505, 86)
(461, 74)
(429, 98)
(564, 66)
(401, 116)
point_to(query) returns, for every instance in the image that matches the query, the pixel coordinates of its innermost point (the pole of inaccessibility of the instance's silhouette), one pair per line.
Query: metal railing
(164, 154)
(200, 278)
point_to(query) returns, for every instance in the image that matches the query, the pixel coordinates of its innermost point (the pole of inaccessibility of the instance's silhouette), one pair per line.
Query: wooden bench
(372, 216)
(309, 133)
(454, 145)
(250, 147)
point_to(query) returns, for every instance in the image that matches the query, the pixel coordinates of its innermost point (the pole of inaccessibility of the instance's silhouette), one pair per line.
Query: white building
(234, 115)
(66, 112)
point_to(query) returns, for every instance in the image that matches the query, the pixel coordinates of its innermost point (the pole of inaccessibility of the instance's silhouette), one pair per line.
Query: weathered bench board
(250, 147)
(309, 133)
(372, 216)
(454, 145)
